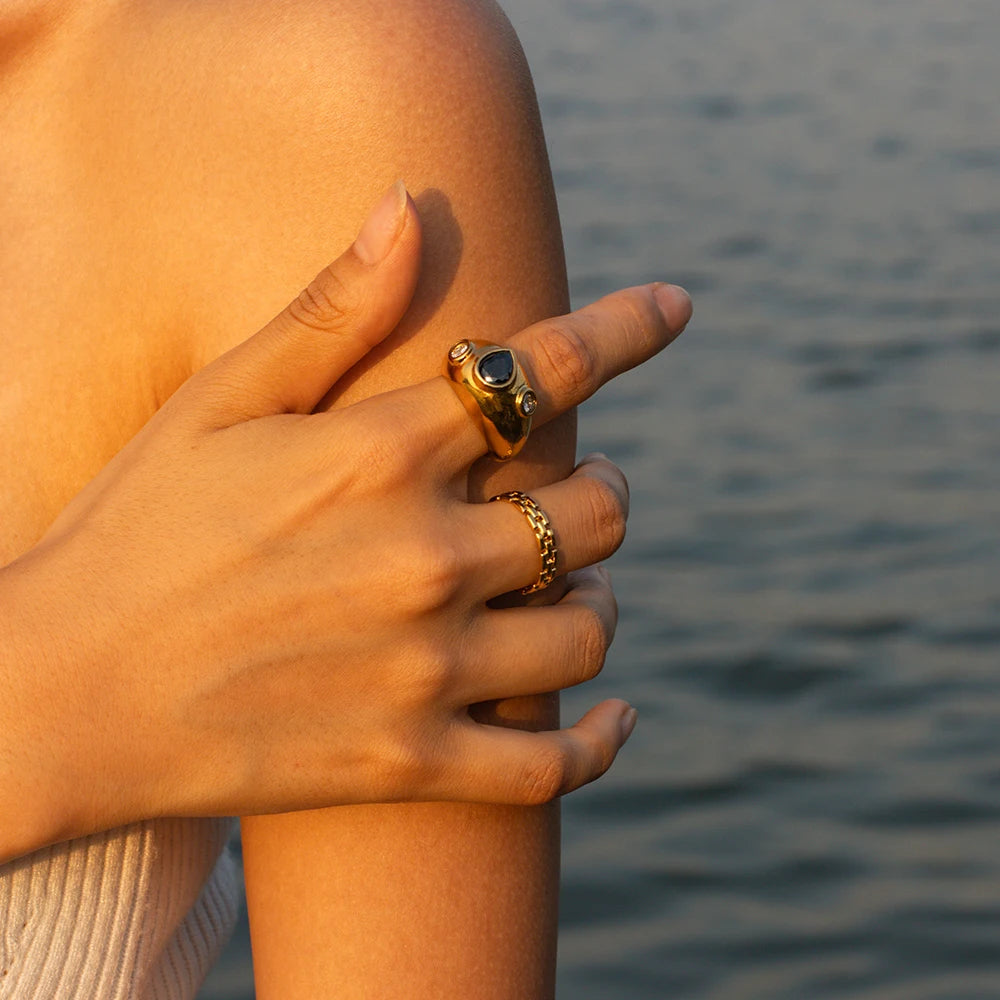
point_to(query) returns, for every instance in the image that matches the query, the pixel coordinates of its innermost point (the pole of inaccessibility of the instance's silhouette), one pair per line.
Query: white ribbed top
(139, 913)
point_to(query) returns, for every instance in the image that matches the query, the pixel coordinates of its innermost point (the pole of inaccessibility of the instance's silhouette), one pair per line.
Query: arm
(263, 632)
(442, 899)
(145, 641)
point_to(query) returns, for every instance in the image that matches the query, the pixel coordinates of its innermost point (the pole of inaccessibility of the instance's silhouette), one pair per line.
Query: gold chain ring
(542, 528)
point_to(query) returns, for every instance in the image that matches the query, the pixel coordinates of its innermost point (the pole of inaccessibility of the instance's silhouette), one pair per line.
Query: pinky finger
(493, 764)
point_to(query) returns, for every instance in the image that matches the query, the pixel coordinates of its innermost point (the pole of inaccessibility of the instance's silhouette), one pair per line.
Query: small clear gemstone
(529, 403)
(496, 368)
(460, 350)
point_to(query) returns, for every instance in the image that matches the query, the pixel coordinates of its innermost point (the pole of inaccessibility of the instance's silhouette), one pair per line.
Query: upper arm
(342, 99)
(329, 104)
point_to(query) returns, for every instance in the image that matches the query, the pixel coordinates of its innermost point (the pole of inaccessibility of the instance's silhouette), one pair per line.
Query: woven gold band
(542, 528)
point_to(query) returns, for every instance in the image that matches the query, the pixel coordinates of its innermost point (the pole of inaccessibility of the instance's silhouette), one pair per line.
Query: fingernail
(594, 456)
(629, 720)
(605, 575)
(382, 226)
(674, 303)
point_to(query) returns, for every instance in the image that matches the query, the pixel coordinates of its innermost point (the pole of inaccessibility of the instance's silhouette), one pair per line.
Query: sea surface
(810, 591)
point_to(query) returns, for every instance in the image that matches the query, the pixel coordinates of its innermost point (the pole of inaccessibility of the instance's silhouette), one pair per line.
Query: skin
(162, 204)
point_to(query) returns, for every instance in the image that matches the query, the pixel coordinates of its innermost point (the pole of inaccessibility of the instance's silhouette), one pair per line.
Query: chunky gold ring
(497, 393)
(542, 528)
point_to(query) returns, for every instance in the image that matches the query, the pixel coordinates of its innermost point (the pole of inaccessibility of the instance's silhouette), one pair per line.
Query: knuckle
(384, 441)
(433, 574)
(427, 677)
(607, 513)
(567, 358)
(402, 768)
(209, 393)
(376, 450)
(371, 452)
(545, 777)
(326, 303)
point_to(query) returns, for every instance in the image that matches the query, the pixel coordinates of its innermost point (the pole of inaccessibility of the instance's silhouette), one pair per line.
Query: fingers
(525, 651)
(587, 511)
(519, 768)
(351, 306)
(566, 359)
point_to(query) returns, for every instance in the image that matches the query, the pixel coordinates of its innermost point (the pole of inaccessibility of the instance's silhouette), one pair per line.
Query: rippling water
(810, 807)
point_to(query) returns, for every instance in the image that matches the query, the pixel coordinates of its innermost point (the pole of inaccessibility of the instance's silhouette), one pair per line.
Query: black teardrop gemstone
(496, 369)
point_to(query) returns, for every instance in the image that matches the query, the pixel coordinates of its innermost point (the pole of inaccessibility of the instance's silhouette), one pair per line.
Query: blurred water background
(810, 807)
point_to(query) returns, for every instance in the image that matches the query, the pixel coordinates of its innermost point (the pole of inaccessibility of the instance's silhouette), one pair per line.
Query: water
(810, 807)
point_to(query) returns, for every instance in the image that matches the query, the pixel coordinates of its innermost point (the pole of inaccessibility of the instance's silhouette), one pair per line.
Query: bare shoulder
(204, 160)
(317, 58)
(471, 33)
(285, 121)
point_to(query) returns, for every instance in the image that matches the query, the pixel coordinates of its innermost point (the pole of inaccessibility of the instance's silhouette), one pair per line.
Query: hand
(272, 608)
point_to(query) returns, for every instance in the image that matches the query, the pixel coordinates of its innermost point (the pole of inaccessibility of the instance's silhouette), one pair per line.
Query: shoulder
(281, 124)
(362, 57)
(381, 78)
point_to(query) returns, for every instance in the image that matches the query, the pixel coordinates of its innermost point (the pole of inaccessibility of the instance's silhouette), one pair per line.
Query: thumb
(350, 306)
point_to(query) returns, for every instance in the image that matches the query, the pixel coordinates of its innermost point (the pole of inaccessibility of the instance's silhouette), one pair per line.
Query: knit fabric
(139, 913)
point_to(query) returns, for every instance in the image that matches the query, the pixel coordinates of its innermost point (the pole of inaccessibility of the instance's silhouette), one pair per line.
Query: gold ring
(542, 528)
(497, 393)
